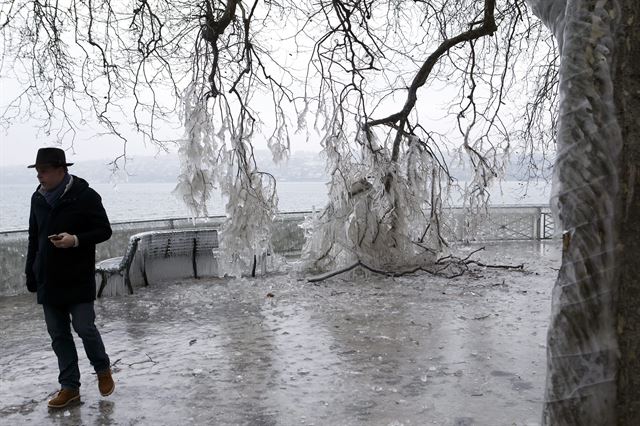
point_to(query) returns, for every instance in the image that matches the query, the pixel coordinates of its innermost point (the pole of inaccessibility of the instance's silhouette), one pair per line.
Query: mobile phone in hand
(55, 237)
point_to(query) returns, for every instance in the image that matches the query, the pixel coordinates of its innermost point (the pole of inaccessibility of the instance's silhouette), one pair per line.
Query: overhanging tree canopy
(363, 76)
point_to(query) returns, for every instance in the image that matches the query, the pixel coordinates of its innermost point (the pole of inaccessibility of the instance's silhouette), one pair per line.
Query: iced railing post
(582, 348)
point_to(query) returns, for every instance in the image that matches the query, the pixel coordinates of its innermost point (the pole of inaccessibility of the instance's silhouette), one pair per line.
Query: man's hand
(66, 240)
(32, 286)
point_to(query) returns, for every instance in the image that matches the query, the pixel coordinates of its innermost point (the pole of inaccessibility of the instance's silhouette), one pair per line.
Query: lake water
(138, 201)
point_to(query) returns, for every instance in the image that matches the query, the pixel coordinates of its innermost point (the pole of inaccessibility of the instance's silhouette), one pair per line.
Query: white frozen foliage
(198, 155)
(211, 157)
(379, 212)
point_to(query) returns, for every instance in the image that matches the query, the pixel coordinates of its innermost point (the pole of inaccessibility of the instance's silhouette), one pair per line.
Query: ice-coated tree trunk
(627, 93)
(582, 352)
(593, 350)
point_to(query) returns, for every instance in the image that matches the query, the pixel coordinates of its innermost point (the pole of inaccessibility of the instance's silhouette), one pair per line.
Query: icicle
(197, 155)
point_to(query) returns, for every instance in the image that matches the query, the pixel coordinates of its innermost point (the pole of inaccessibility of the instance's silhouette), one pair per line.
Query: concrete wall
(502, 223)
(288, 238)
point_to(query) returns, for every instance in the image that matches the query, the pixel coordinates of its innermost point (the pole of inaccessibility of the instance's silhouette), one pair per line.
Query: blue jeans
(82, 317)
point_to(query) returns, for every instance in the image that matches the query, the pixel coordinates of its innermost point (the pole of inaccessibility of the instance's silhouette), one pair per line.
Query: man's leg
(58, 326)
(83, 319)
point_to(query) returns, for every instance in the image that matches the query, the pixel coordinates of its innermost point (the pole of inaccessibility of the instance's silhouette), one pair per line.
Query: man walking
(66, 222)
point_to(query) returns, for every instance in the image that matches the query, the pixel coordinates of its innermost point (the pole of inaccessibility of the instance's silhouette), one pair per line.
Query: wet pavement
(362, 350)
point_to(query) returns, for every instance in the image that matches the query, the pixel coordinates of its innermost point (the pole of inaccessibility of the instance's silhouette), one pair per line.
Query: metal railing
(507, 222)
(501, 223)
(497, 224)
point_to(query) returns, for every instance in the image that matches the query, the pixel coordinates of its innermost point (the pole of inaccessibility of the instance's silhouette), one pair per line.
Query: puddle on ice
(280, 351)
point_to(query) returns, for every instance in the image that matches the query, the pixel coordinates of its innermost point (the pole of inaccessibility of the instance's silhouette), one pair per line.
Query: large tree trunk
(627, 92)
(582, 349)
(594, 337)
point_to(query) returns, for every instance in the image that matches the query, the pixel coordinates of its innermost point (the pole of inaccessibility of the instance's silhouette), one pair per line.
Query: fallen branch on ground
(448, 267)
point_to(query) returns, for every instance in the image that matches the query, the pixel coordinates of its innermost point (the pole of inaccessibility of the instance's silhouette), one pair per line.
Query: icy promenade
(414, 350)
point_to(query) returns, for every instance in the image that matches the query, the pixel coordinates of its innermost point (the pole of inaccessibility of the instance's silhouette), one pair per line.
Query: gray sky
(20, 142)
(18, 145)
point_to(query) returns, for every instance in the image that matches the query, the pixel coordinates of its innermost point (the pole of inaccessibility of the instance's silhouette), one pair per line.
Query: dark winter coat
(64, 276)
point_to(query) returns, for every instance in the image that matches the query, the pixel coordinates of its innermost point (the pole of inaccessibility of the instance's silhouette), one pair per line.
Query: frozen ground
(279, 351)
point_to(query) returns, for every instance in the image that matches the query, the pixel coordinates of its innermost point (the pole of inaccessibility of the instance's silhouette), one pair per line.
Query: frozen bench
(172, 252)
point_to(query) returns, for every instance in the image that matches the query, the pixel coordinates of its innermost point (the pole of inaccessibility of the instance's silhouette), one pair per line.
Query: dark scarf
(53, 195)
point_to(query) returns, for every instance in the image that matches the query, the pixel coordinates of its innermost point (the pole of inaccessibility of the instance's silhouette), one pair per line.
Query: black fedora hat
(50, 157)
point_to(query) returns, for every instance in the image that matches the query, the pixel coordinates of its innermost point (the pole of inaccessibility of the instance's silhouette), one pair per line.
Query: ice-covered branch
(216, 77)
(488, 27)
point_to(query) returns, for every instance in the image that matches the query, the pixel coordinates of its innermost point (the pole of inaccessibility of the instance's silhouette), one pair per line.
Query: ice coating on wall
(582, 349)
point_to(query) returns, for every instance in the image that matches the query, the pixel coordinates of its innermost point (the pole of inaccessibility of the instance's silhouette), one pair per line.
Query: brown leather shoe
(105, 383)
(65, 397)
